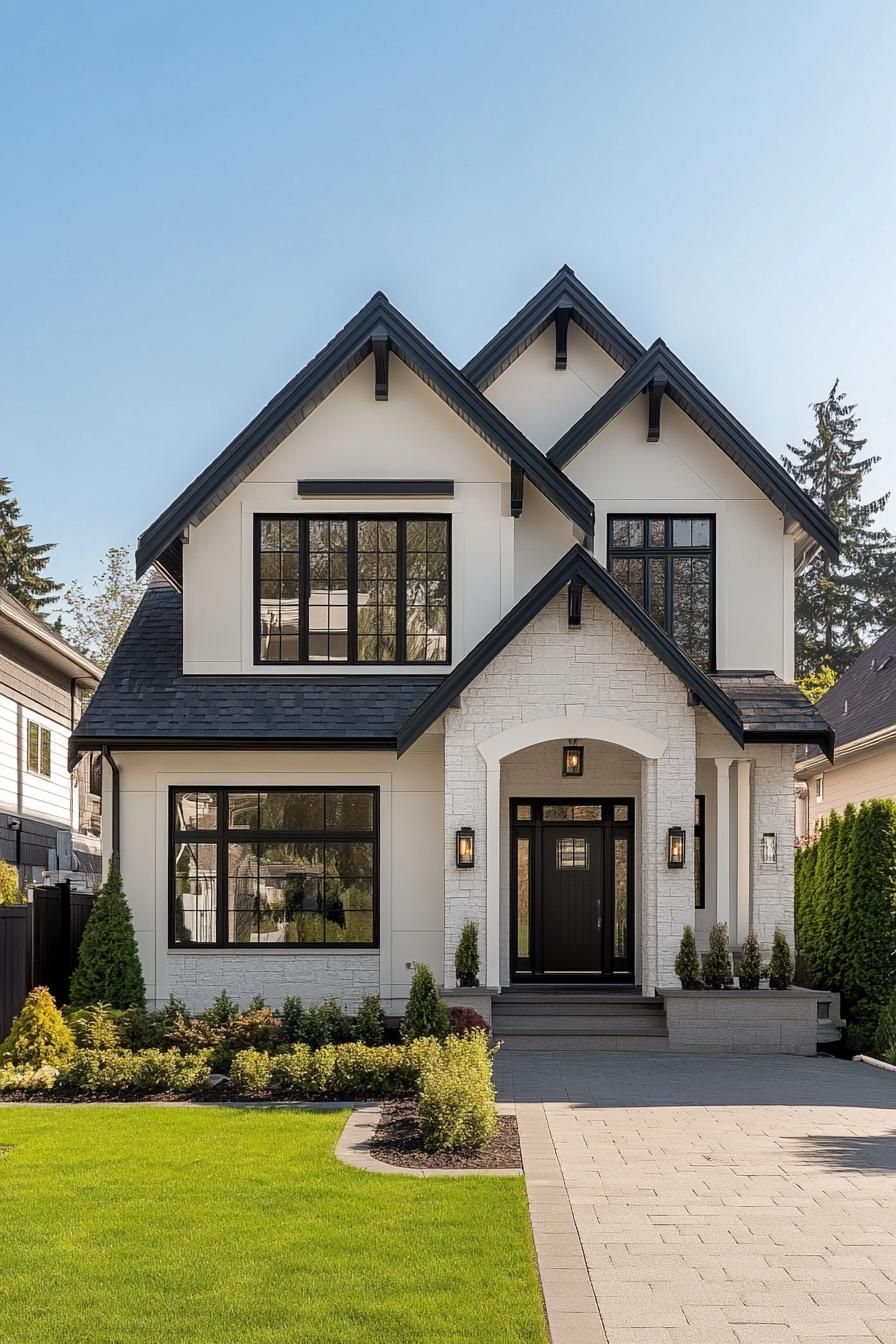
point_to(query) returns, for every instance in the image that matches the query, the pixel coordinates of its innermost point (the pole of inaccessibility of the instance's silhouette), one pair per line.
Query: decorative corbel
(655, 389)
(380, 342)
(516, 490)
(561, 330)
(575, 602)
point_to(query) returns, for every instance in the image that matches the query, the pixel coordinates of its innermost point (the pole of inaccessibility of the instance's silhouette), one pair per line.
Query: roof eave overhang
(78, 746)
(804, 737)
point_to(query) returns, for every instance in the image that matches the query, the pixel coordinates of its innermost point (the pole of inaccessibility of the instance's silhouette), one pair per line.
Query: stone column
(723, 841)
(743, 852)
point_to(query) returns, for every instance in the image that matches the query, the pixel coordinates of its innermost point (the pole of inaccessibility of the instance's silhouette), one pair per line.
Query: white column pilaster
(493, 876)
(723, 841)
(743, 849)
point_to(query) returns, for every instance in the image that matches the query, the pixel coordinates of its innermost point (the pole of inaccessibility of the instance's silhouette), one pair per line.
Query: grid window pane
(573, 852)
(690, 606)
(195, 893)
(426, 590)
(33, 747)
(196, 811)
(630, 573)
(672, 578)
(285, 810)
(279, 590)
(328, 591)
(377, 595)
(628, 532)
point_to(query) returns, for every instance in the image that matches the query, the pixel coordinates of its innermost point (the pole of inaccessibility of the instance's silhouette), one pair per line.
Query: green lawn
(167, 1226)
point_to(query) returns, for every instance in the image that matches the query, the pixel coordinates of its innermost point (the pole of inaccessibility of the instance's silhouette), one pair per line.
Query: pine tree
(22, 560)
(95, 624)
(780, 970)
(838, 602)
(841, 899)
(108, 968)
(717, 961)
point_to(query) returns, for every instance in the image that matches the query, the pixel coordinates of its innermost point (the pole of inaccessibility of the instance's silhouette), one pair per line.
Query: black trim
(561, 334)
(222, 835)
(563, 290)
(711, 416)
(516, 492)
(655, 389)
(576, 564)
(380, 343)
(384, 489)
(230, 744)
(309, 387)
(700, 867)
(824, 739)
(574, 603)
(351, 521)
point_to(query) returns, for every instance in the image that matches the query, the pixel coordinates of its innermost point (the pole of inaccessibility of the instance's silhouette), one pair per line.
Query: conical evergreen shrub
(840, 900)
(426, 1014)
(717, 962)
(804, 913)
(749, 968)
(780, 970)
(869, 976)
(39, 1034)
(826, 899)
(687, 963)
(108, 968)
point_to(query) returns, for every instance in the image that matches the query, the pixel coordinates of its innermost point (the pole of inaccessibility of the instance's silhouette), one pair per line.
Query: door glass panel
(586, 812)
(620, 812)
(524, 812)
(620, 895)
(556, 812)
(522, 896)
(573, 852)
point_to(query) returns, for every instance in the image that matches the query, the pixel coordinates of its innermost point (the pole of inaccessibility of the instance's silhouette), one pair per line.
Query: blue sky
(197, 195)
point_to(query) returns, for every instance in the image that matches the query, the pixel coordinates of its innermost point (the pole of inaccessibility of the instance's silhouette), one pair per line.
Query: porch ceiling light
(465, 847)
(675, 850)
(573, 759)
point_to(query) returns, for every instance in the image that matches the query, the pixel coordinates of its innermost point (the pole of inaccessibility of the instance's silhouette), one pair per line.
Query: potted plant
(466, 956)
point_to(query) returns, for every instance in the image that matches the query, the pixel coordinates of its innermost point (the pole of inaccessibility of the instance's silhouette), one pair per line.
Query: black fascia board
(77, 746)
(320, 376)
(576, 565)
(711, 416)
(420, 489)
(563, 289)
(826, 739)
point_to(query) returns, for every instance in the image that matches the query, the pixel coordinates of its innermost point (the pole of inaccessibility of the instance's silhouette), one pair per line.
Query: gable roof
(862, 704)
(563, 290)
(686, 390)
(576, 566)
(161, 543)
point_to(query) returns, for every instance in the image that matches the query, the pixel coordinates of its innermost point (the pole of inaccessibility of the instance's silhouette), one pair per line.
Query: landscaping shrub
(456, 1099)
(885, 1035)
(370, 1023)
(366, 1071)
(825, 901)
(108, 969)
(257, 1029)
(804, 913)
(140, 1030)
(687, 963)
(780, 968)
(251, 1071)
(28, 1080)
(256, 1004)
(464, 1020)
(95, 1028)
(426, 1014)
(222, 1012)
(750, 965)
(292, 1018)
(9, 885)
(466, 956)
(39, 1034)
(320, 1071)
(326, 1024)
(292, 1070)
(189, 1034)
(717, 961)
(100, 1071)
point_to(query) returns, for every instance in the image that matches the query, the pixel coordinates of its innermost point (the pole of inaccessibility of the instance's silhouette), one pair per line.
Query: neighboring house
(861, 709)
(511, 643)
(49, 815)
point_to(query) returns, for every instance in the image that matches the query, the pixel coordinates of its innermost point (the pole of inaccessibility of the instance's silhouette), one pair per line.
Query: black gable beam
(516, 490)
(561, 331)
(655, 389)
(380, 342)
(575, 602)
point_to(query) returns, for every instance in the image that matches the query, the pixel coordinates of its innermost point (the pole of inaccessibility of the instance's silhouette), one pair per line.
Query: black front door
(572, 889)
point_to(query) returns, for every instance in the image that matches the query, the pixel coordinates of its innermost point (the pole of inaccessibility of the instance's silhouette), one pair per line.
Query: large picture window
(667, 564)
(274, 867)
(352, 590)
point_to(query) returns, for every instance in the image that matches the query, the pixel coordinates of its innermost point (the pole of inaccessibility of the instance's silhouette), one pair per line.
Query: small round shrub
(95, 1028)
(250, 1072)
(291, 1070)
(370, 1023)
(326, 1024)
(170, 1071)
(39, 1034)
(464, 1020)
(256, 1004)
(456, 1099)
(9, 885)
(28, 1080)
(426, 1014)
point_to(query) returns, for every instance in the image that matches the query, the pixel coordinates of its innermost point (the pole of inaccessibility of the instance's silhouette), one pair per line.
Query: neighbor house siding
(871, 775)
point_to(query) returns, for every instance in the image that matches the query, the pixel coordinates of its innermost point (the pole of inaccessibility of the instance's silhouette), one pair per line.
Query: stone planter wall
(743, 1022)
(480, 1000)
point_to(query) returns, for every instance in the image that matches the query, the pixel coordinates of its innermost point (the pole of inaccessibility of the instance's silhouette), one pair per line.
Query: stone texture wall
(199, 977)
(772, 810)
(605, 670)
(757, 1022)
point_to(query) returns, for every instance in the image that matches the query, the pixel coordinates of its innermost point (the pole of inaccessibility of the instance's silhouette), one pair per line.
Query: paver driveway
(709, 1200)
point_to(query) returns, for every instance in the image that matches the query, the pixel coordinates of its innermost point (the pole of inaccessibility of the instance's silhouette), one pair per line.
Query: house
(49, 815)
(510, 643)
(861, 709)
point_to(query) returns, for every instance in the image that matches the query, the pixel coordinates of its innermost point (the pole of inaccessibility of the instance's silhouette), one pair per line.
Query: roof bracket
(561, 328)
(575, 602)
(516, 490)
(380, 342)
(655, 389)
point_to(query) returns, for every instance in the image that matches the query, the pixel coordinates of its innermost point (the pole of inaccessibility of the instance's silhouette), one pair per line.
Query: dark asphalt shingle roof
(768, 704)
(145, 695)
(864, 699)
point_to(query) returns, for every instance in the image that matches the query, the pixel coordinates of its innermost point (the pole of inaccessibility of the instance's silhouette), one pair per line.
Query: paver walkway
(698, 1200)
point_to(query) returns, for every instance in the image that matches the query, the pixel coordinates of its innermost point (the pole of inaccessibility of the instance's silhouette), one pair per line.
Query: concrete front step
(566, 1007)
(655, 1042)
(563, 1023)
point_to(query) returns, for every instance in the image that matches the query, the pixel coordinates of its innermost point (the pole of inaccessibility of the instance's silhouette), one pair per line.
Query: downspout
(116, 834)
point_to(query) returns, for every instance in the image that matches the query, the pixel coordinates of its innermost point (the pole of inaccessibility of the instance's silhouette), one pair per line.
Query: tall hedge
(845, 908)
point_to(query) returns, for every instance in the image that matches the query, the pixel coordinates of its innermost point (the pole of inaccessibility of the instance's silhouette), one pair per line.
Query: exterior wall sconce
(465, 847)
(675, 847)
(573, 759)
(769, 850)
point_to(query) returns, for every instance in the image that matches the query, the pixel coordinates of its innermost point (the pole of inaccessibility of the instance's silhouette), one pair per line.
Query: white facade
(646, 736)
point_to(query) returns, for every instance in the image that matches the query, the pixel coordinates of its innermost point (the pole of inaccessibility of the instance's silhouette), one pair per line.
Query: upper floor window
(667, 564)
(352, 590)
(38, 749)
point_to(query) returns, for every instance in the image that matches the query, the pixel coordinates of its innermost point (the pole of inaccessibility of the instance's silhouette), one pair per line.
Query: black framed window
(274, 867)
(700, 852)
(359, 590)
(667, 564)
(39, 749)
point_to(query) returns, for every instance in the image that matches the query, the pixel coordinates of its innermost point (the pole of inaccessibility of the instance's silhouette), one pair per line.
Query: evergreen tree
(838, 602)
(95, 624)
(717, 961)
(22, 560)
(687, 963)
(780, 970)
(824, 899)
(841, 899)
(426, 1014)
(108, 968)
(870, 967)
(804, 913)
(749, 969)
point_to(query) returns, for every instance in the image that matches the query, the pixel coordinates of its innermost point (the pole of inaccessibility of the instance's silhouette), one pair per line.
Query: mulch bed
(397, 1141)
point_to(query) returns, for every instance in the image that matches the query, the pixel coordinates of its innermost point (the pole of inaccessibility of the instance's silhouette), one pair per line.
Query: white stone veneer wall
(772, 810)
(604, 670)
(198, 977)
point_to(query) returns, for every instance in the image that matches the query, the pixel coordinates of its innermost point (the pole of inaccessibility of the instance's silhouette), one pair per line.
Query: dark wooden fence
(39, 945)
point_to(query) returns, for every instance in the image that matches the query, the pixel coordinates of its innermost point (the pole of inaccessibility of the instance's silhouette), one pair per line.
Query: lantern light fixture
(573, 760)
(675, 851)
(465, 847)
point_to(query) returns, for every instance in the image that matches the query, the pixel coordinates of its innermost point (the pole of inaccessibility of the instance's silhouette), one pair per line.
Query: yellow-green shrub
(250, 1071)
(28, 1080)
(94, 1027)
(9, 885)
(39, 1034)
(291, 1071)
(457, 1096)
(144, 1072)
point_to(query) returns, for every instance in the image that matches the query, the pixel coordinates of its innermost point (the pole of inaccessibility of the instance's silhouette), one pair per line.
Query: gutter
(882, 738)
(116, 790)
